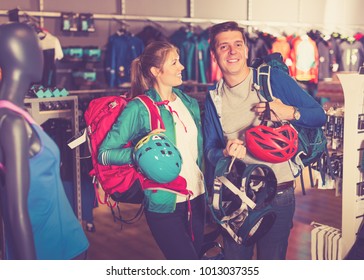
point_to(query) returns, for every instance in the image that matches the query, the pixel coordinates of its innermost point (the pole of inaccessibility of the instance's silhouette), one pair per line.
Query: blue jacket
(120, 52)
(283, 87)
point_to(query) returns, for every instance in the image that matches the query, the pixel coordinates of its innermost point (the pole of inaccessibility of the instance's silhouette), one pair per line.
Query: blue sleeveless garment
(58, 235)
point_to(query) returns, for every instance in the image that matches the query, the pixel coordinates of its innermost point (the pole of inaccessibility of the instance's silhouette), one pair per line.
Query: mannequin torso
(38, 219)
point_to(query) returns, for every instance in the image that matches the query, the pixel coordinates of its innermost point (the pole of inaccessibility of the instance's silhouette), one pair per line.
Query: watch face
(296, 114)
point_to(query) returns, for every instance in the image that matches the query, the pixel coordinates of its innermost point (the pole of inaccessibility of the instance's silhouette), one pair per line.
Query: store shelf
(352, 210)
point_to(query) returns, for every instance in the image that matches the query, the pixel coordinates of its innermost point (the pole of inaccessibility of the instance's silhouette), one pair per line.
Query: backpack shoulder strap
(261, 81)
(153, 110)
(11, 106)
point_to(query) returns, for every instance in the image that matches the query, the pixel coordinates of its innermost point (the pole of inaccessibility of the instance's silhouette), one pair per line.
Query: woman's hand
(235, 148)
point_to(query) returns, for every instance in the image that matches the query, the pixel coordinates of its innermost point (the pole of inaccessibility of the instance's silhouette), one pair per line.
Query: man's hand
(235, 148)
(281, 110)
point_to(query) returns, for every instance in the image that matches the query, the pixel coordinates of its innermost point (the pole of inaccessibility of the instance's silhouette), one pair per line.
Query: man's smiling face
(231, 53)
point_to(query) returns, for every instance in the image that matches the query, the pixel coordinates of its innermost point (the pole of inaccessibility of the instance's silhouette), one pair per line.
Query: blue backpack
(312, 142)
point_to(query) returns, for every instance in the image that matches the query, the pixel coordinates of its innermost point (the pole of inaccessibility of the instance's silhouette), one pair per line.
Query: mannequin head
(21, 59)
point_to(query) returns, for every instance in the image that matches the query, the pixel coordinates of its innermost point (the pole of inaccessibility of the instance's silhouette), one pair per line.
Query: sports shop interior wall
(272, 16)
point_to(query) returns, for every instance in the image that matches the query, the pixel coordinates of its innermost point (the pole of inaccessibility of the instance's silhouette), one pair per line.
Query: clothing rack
(121, 22)
(186, 20)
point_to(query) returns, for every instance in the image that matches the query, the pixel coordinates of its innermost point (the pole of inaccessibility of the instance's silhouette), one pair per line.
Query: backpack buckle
(113, 104)
(256, 86)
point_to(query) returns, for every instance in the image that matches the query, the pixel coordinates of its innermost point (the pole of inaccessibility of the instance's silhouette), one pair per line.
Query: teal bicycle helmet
(158, 158)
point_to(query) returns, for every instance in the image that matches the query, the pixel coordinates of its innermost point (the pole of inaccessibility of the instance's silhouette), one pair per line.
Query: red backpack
(122, 183)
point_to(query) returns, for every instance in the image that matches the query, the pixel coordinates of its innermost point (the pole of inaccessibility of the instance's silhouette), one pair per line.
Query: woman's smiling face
(171, 72)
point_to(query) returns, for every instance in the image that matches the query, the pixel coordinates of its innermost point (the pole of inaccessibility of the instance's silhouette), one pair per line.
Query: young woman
(177, 228)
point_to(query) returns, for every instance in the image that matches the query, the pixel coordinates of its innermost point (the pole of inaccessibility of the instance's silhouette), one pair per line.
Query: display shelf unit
(352, 201)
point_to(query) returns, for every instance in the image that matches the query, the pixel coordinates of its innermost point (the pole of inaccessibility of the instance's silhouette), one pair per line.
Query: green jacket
(133, 124)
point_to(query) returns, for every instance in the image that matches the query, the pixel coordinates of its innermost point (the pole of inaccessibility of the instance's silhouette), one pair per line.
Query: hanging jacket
(351, 54)
(121, 50)
(282, 46)
(306, 59)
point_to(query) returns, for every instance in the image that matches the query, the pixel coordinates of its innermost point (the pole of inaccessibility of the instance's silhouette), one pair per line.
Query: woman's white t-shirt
(186, 142)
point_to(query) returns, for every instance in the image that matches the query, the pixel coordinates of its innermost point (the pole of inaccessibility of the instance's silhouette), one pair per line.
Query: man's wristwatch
(296, 113)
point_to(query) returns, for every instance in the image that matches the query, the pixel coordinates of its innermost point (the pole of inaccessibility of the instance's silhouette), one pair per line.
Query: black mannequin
(39, 221)
(21, 62)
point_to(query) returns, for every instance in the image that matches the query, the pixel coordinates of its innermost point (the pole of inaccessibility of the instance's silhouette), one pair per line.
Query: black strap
(266, 115)
(132, 220)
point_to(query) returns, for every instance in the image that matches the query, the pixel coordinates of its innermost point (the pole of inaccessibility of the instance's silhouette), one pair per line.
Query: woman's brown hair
(154, 55)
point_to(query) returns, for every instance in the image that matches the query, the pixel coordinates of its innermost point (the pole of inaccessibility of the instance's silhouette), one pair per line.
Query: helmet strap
(267, 115)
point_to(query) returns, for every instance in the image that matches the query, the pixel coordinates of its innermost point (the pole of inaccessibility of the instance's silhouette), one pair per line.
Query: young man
(234, 106)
